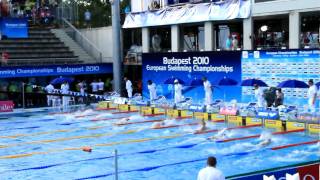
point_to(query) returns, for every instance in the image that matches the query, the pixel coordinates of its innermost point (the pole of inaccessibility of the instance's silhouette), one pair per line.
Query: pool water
(48, 145)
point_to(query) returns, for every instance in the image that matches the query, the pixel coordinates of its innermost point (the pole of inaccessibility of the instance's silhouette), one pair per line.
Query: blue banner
(14, 27)
(55, 70)
(191, 66)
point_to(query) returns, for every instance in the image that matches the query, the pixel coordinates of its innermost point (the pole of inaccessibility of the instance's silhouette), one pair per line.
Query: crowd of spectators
(41, 12)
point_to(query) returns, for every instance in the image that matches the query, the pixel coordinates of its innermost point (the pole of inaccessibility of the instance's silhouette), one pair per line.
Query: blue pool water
(43, 145)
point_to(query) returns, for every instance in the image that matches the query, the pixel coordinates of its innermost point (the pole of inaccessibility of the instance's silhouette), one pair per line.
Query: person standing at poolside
(152, 90)
(208, 92)
(210, 172)
(312, 95)
(65, 91)
(258, 92)
(100, 87)
(49, 89)
(94, 87)
(128, 87)
(177, 91)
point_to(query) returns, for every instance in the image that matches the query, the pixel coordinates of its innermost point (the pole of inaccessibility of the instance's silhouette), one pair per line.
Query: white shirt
(178, 89)
(65, 88)
(312, 91)
(259, 96)
(101, 86)
(152, 89)
(210, 173)
(49, 88)
(207, 86)
(94, 86)
(128, 85)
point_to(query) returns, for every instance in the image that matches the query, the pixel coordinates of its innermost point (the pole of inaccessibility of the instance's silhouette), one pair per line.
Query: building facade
(271, 24)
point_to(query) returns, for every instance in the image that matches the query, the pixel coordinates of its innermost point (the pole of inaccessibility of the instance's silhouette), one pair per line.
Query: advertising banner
(304, 172)
(189, 13)
(14, 27)
(190, 67)
(6, 106)
(276, 66)
(54, 70)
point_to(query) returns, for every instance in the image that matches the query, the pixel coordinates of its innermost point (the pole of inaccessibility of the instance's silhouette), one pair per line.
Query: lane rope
(150, 168)
(111, 144)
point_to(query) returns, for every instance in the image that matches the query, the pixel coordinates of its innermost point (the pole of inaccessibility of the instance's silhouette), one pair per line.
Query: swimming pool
(48, 145)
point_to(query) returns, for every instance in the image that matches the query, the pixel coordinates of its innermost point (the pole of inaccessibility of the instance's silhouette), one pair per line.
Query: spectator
(210, 172)
(87, 18)
(228, 43)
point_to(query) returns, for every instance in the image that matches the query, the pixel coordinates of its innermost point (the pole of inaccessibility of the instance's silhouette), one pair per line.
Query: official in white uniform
(210, 172)
(258, 92)
(49, 89)
(208, 92)
(177, 92)
(64, 91)
(101, 87)
(152, 90)
(312, 96)
(128, 87)
(94, 87)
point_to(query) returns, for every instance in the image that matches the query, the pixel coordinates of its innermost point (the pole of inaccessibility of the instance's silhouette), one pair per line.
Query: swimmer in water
(123, 121)
(222, 134)
(203, 127)
(158, 125)
(264, 142)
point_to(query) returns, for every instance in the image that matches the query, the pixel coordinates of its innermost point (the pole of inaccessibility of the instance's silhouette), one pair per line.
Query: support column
(145, 40)
(248, 34)
(117, 76)
(294, 30)
(175, 38)
(209, 36)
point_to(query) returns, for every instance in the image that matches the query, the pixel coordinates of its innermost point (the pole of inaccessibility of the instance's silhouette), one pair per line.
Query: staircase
(44, 47)
(68, 41)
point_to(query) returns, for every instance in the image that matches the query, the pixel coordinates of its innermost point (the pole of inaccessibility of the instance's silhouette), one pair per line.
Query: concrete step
(69, 42)
(38, 36)
(47, 61)
(35, 48)
(17, 41)
(41, 55)
(32, 44)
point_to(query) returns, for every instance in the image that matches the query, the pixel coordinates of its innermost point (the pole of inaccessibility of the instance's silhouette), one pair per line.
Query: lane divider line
(138, 122)
(258, 135)
(108, 144)
(124, 112)
(296, 144)
(156, 150)
(150, 168)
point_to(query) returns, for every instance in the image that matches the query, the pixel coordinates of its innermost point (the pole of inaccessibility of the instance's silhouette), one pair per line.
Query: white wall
(284, 7)
(102, 38)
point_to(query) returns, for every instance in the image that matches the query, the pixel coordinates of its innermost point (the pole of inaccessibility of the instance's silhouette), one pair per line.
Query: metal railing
(82, 41)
